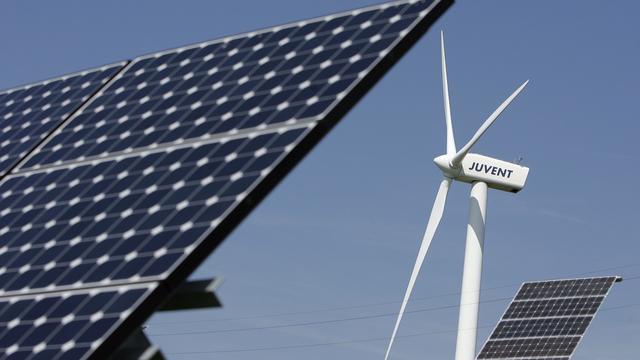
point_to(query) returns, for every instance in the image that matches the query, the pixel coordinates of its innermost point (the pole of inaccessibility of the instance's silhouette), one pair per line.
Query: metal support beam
(191, 295)
(198, 294)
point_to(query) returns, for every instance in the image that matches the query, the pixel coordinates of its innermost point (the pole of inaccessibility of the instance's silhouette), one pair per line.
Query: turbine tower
(482, 172)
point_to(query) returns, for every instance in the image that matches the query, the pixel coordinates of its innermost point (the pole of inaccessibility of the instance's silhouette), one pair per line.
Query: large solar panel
(547, 320)
(129, 218)
(152, 173)
(28, 114)
(285, 75)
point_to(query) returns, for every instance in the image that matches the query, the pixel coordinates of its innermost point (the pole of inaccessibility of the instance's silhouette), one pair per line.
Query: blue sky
(342, 231)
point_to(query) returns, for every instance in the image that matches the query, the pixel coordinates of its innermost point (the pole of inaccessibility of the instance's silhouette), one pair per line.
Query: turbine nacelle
(498, 174)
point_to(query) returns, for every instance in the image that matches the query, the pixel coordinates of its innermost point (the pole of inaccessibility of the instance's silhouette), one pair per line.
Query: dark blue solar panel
(28, 114)
(526, 348)
(286, 75)
(553, 326)
(129, 218)
(68, 325)
(565, 288)
(547, 319)
(176, 156)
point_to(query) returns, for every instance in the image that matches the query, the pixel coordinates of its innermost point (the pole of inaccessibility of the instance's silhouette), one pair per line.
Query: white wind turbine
(482, 172)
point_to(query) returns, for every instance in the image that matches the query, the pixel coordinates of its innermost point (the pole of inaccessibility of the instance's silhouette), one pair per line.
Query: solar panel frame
(555, 302)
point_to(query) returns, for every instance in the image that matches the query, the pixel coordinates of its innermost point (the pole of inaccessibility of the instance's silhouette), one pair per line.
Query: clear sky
(337, 239)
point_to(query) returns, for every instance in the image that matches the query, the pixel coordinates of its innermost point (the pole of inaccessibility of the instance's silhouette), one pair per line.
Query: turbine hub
(444, 163)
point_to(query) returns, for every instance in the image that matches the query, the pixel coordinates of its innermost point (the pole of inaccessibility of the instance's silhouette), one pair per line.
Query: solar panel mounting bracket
(194, 294)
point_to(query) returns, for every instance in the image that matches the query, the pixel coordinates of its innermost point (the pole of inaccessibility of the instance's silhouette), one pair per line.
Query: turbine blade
(457, 158)
(432, 225)
(451, 142)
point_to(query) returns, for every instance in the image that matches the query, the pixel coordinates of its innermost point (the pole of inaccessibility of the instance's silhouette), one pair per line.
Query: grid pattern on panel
(553, 307)
(565, 288)
(283, 75)
(529, 347)
(28, 114)
(127, 219)
(561, 326)
(67, 325)
(547, 320)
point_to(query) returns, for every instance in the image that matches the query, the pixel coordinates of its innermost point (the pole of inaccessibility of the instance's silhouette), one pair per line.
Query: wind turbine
(482, 172)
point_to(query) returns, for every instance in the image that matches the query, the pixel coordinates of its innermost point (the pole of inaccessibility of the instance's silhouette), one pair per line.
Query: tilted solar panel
(547, 320)
(30, 113)
(285, 75)
(65, 325)
(142, 183)
(130, 218)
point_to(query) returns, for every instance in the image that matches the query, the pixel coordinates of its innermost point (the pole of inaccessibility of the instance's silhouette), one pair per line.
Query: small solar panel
(65, 325)
(152, 173)
(547, 320)
(30, 113)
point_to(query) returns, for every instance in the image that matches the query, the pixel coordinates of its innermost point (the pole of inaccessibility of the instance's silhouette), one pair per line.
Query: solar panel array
(120, 202)
(547, 320)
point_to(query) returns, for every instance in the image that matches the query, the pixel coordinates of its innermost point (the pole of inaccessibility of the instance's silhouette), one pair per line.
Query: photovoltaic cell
(67, 325)
(28, 114)
(152, 173)
(547, 320)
